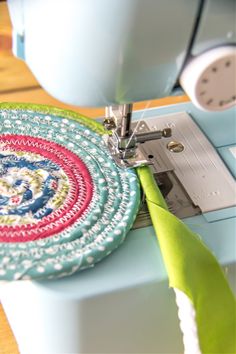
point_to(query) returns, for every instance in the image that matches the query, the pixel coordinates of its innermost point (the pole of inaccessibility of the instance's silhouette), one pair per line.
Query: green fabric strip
(193, 269)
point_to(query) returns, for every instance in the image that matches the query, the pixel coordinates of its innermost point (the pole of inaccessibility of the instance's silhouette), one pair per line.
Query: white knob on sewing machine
(210, 79)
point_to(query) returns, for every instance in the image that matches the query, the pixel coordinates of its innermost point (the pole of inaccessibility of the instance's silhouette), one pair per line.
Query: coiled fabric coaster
(64, 204)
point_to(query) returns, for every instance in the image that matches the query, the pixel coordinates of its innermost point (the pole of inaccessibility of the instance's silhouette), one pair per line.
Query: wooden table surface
(17, 84)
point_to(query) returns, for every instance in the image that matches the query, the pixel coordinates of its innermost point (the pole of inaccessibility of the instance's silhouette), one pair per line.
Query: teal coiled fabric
(103, 223)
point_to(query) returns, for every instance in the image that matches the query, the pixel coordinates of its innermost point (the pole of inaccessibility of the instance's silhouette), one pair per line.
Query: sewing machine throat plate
(187, 168)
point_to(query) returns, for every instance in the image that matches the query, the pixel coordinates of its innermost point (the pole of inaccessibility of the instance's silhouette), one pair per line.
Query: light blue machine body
(124, 304)
(103, 52)
(136, 52)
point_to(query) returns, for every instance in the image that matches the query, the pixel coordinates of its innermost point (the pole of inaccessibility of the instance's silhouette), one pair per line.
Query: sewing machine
(90, 53)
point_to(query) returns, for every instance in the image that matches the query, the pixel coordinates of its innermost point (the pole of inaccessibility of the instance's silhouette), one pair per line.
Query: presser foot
(126, 158)
(126, 151)
(124, 143)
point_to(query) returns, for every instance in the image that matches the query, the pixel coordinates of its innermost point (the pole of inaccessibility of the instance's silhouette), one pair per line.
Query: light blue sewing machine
(113, 53)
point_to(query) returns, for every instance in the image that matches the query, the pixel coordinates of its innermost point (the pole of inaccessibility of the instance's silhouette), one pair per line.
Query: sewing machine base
(123, 305)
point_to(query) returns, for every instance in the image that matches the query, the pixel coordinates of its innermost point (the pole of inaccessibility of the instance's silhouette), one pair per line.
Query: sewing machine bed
(123, 304)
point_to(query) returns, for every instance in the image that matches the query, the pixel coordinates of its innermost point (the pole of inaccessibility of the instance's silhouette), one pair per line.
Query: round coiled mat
(64, 203)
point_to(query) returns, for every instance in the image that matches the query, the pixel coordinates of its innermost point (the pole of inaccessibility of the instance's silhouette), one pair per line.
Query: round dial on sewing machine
(210, 79)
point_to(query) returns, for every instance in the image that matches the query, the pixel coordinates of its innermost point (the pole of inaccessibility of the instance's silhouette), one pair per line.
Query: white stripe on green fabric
(188, 325)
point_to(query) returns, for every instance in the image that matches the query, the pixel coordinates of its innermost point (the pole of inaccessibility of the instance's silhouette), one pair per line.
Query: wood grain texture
(5, 29)
(17, 84)
(7, 341)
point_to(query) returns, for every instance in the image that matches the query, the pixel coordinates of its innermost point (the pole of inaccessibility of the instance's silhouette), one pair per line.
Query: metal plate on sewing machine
(187, 168)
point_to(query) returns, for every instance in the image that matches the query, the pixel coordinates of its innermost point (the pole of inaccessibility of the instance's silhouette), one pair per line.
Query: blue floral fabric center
(29, 186)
